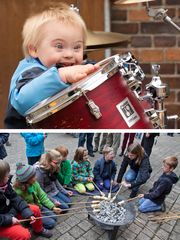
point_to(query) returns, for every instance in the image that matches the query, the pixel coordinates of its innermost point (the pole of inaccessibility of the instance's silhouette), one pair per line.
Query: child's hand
(125, 184)
(57, 204)
(57, 210)
(90, 179)
(33, 219)
(74, 74)
(15, 221)
(70, 193)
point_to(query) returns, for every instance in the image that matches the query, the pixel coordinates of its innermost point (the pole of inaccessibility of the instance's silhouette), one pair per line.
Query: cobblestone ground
(77, 226)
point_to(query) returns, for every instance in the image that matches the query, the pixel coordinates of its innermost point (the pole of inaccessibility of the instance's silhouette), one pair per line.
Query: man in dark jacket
(3, 139)
(148, 142)
(154, 199)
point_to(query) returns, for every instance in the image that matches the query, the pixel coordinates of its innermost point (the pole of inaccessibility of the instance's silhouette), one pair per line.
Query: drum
(102, 100)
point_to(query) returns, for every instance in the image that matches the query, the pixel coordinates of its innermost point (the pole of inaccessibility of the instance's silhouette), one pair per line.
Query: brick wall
(153, 42)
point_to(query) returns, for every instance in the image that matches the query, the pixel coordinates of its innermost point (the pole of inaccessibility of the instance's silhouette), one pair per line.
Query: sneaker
(95, 150)
(121, 154)
(133, 194)
(45, 233)
(163, 207)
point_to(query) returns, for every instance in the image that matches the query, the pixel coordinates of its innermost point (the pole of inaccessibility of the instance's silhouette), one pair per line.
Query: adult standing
(99, 144)
(88, 138)
(139, 171)
(128, 137)
(113, 140)
(148, 142)
(34, 146)
(3, 139)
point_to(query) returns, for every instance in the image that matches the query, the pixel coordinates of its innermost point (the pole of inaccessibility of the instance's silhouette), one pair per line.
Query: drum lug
(94, 109)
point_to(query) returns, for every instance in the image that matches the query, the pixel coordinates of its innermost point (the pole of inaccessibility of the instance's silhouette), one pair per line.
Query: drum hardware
(175, 118)
(156, 93)
(131, 1)
(153, 117)
(94, 109)
(160, 14)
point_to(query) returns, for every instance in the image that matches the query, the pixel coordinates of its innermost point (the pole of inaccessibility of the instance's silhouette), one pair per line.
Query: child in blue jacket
(53, 43)
(154, 200)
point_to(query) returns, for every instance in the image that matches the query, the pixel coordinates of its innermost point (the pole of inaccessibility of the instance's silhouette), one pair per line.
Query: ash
(111, 213)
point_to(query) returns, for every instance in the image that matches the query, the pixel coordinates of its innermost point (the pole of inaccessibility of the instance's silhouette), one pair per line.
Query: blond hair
(48, 158)
(171, 161)
(107, 150)
(31, 33)
(4, 169)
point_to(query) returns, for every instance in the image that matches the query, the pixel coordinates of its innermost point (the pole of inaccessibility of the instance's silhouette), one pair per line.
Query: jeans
(33, 160)
(130, 176)
(106, 185)
(146, 205)
(88, 137)
(63, 199)
(49, 222)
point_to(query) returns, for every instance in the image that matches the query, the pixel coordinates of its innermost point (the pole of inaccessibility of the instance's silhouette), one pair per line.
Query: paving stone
(162, 233)
(175, 236)
(85, 225)
(142, 236)
(63, 227)
(91, 235)
(76, 232)
(67, 236)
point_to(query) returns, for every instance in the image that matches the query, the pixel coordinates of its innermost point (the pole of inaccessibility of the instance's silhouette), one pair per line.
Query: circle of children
(40, 191)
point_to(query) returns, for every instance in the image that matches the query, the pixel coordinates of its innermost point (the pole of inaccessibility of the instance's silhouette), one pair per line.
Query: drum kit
(110, 98)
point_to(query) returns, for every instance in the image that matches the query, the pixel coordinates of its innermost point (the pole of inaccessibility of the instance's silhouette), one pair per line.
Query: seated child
(65, 173)
(53, 45)
(82, 175)
(46, 174)
(105, 171)
(154, 200)
(13, 208)
(29, 189)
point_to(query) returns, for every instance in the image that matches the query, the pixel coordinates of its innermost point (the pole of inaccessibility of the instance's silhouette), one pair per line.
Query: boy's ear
(32, 51)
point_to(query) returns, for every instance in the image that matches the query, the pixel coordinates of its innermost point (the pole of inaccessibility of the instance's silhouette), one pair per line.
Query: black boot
(133, 194)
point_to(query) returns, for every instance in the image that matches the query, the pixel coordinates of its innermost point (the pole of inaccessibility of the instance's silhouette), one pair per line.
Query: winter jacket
(34, 144)
(162, 187)
(3, 139)
(104, 170)
(35, 196)
(31, 83)
(65, 174)
(10, 205)
(81, 172)
(48, 182)
(143, 170)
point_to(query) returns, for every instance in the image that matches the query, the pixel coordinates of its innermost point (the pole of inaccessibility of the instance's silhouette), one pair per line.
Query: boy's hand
(57, 204)
(76, 73)
(126, 184)
(141, 195)
(33, 219)
(15, 221)
(70, 193)
(57, 210)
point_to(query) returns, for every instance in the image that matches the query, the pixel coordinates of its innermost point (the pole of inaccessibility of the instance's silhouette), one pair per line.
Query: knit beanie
(24, 172)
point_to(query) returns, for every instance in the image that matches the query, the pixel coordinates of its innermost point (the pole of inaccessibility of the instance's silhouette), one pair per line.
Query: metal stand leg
(112, 233)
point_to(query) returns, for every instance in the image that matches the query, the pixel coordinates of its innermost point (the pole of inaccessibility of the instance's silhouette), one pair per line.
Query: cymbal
(99, 39)
(131, 1)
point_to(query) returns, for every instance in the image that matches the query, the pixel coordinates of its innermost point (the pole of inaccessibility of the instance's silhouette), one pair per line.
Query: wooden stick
(55, 215)
(115, 196)
(165, 218)
(72, 189)
(102, 194)
(138, 220)
(110, 190)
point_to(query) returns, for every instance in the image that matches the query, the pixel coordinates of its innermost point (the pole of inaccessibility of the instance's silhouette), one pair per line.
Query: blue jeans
(88, 137)
(131, 176)
(106, 185)
(146, 205)
(63, 199)
(49, 222)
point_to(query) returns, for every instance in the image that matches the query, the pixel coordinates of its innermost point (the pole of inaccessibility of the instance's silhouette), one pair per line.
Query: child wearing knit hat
(46, 174)
(11, 205)
(29, 189)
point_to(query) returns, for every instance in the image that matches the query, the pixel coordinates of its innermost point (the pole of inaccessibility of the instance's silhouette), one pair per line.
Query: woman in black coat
(139, 171)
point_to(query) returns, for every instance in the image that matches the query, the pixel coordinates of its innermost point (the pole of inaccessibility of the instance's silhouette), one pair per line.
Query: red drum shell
(107, 95)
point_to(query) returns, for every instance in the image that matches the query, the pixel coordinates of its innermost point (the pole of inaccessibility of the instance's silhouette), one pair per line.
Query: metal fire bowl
(129, 216)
